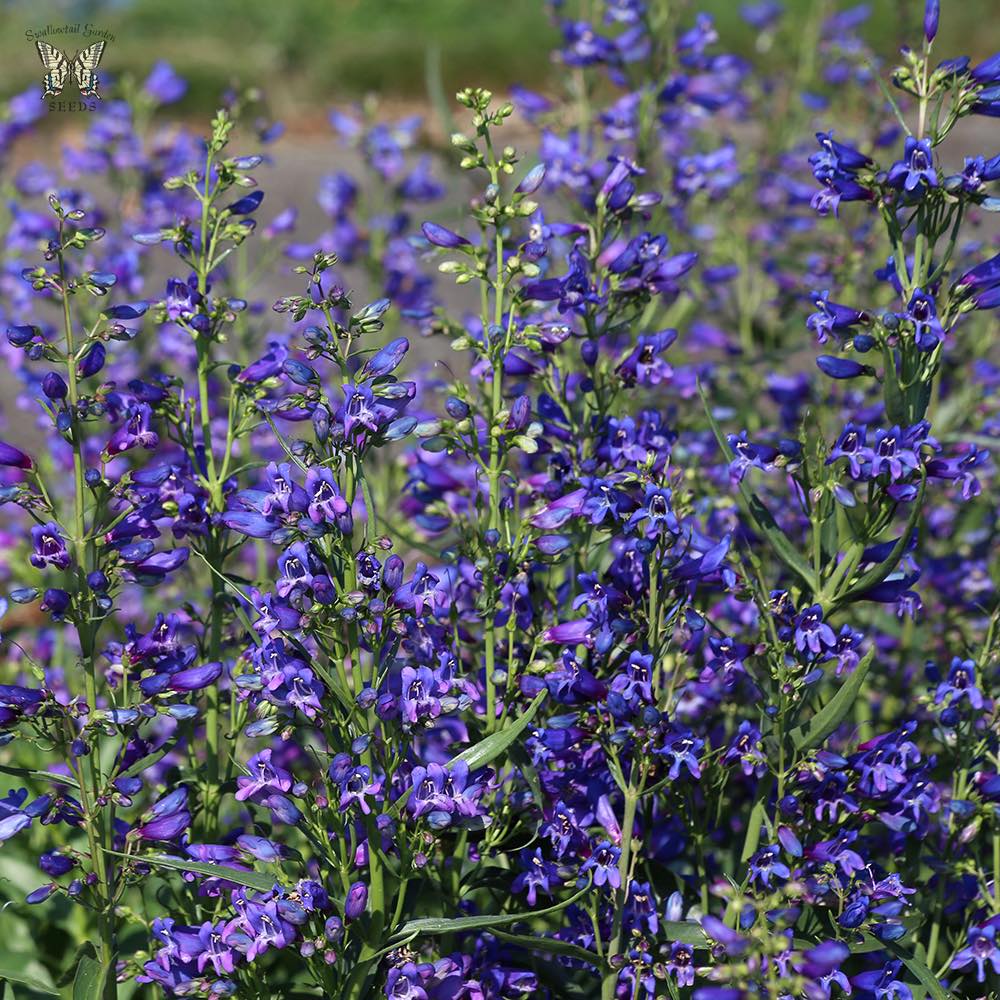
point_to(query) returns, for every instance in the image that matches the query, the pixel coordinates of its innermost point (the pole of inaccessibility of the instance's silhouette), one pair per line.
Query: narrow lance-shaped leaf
(489, 749)
(826, 720)
(453, 925)
(550, 946)
(250, 879)
(879, 573)
(758, 815)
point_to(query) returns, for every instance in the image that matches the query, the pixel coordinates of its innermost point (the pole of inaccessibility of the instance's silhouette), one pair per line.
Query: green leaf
(549, 946)
(252, 880)
(895, 405)
(69, 974)
(12, 971)
(878, 573)
(520, 756)
(826, 720)
(485, 921)
(761, 516)
(685, 931)
(489, 749)
(91, 977)
(757, 817)
(25, 772)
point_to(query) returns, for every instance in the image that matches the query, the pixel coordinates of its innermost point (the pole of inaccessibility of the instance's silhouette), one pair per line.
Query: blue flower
(982, 948)
(915, 172)
(602, 865)
(811, 632)
(960, 685)
(767, 864)
(922, 313)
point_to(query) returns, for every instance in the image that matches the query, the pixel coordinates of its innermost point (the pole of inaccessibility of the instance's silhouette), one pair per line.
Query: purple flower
(9, 455)
(442, 237)
(262, 776)
(747, 748)
(832, 317)
(851, 445)
(767, 864)
(164, 86)
(356, 902)
(536, 873)
(960, 685)
(357, 786)
(811, 632)
(420, 694)
(602, 866)
(445, 795)
(883, 983)
(982, 948)
(385, 360)
(842, 368)
(49, 546)
(681, 749)
(167, 819)
(922, 312)
(915, 172)
(325, 500)
(932, 13)
(135, 431)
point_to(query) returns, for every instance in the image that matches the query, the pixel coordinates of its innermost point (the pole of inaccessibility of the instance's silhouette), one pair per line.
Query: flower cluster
(628, 650)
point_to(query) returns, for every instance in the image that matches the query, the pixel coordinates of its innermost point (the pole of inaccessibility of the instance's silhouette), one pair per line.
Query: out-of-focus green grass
(311, 53)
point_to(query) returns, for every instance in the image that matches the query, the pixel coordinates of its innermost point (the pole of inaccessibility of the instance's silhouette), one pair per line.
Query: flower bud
(841, 368)
(932, 13)
(439, 236)
(54, 386)
(21, 336)
(356, 902)
(392, 573)
(92, 362)
(532, 180)
(9, 455)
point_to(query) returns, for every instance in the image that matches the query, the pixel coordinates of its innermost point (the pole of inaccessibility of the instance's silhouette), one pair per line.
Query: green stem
(610, 980)
(214, 548)
(494, 468)
(89, 769)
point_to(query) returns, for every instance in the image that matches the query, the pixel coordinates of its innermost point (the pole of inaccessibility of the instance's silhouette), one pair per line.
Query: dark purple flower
(981, 948)
(602, 866)
(356, 902)
(442, 237)
(915, 172)
(842, 368)
(49, 546)
(9, 455)
(811, 632)
(93, 361)
(932, 13)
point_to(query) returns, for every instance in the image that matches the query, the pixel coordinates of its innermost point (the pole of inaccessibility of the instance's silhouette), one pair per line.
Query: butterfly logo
(83, 66)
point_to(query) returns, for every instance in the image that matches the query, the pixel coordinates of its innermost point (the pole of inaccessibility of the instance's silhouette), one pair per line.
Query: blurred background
(309, 54)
